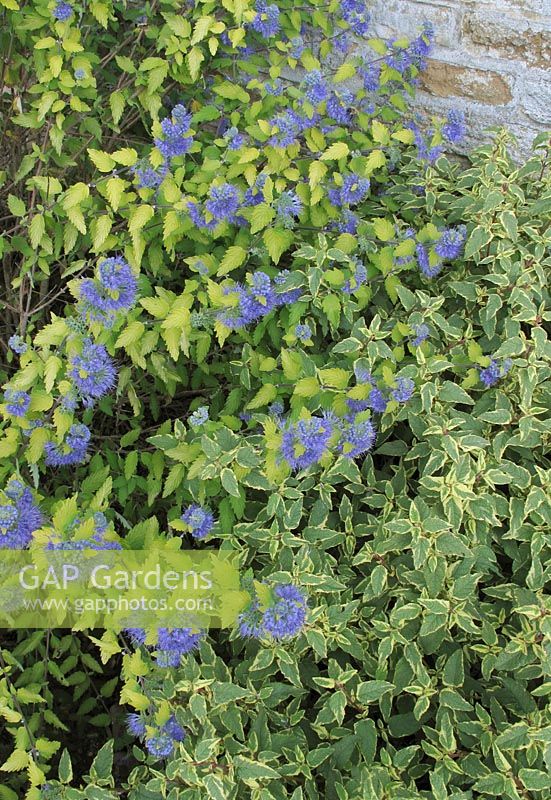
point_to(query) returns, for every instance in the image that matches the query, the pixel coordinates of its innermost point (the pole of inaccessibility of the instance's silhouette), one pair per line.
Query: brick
(450, 80)
(509, 37)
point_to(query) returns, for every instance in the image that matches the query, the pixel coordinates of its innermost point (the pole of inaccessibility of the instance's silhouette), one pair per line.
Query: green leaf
(332, 308)
(478, 239)
(229, 481)
(277, 241)
(37, 229)
(336, 151)
(65, 769)
(261, 216)
(370, 691)
(234, 257)
(384, 229)
(16, 206)
(102, 765)
(101, 160)
(266, 394)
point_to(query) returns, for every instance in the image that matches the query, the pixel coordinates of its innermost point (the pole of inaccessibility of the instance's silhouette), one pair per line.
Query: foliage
(241, 309)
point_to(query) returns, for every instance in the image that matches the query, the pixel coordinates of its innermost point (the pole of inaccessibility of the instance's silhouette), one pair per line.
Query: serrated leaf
(233, 258)
(336, 151)
(277, 241)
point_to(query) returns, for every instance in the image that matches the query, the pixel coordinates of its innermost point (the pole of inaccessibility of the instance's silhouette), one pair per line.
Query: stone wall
(492, 58)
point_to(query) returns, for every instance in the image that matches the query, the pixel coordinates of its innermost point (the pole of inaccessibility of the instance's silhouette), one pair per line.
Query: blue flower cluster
(160, 740)
(112, 292)
(421, 334)
(284, 618)
(17, 344)
(62, 11)
(454, 129)
(449, 247)
(171, 645)
(357, 436)
(17, 402)
(20, 516)
(306, 441)
(256, 301)
(289, 126)
(354, 189)
(355, 13)
(377, 399)
(72, 449)
(288, 206)
(266, 21)
(199, 417)
(92, 372)
(199, 519)
(303, 333)
(177, 139)
(496, 370)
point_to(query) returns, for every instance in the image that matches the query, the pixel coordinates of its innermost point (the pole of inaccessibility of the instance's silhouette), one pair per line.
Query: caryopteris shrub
(249, 304)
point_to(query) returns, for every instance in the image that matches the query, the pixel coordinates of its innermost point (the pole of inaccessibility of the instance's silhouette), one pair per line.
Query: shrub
(249, 303)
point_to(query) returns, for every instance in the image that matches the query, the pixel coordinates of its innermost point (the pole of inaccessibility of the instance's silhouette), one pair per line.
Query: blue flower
(147, 177)
(451, 242)
(17, 344)
(72, 450)
(284, 618)
(62, 11)
(296, 47)
(174, 729)
(303, 333)
(356, 14)
(276, 408)
(377, 401)
(250, 621)
(199, 417)
(160, 746)
(288, 206)
(491, 374)
(200, 520)
(348, 222)
(19, 518)
(17, 402)
(198, 218)
(421, 47)
(287, 616)
(338, 106)
(305, 442)
(173, 644)
(357, 437)
(253, 195)
(359, 278)
(177, 140)
(423, 259)
(275, 89)
(454, 129)
(93, 372)
(421, 333)
(371, 76)
(223, 202)
(315, 87)
(79, 74)
(234, 139)
(112, 292)
(404, 390)
(135, 725)
(266, 22)
(289, 126)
